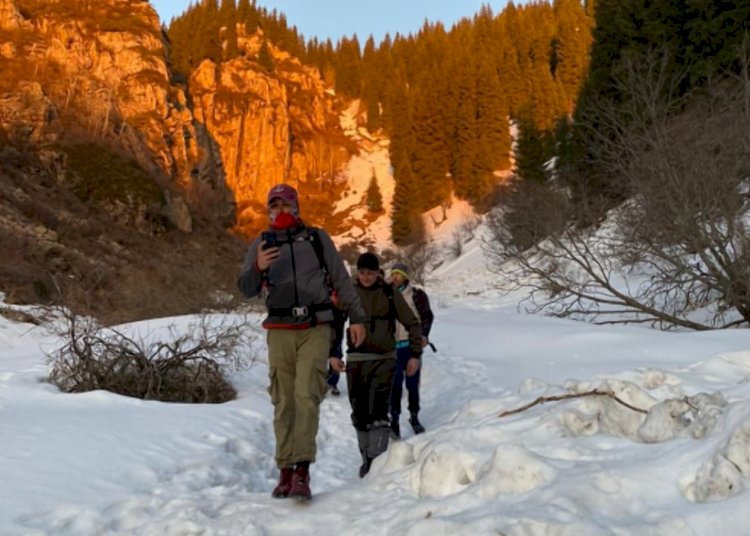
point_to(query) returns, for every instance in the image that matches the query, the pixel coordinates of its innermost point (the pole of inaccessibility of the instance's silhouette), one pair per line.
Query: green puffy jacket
(384, 306)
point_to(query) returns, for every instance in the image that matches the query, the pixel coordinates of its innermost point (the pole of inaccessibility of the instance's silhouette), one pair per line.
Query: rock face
(98, 70)
(86, 91)
(10, 18)
(102, 66)
(270, 125)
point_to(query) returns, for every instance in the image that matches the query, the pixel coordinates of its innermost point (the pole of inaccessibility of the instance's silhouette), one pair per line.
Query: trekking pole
(433, 347)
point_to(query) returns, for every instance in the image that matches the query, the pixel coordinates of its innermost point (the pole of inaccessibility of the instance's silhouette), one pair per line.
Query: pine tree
(508, 71)
(401, 128)
(534, 148)
(210, 44)
(406, 222)
(430, 153)
(465, 136)
(492, 120)
(374, 197)
(373, 113)
(265, 59)
(371, 84)
(348, 65)
(228, 22)
(251, 16)
(699, 38)
(243, 10)
(546, 104)
(571, 48)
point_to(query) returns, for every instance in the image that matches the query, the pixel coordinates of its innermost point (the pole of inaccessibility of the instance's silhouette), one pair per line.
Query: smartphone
(269, 238)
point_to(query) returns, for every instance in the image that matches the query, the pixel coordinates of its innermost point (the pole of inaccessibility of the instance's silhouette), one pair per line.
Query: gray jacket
(296, 280)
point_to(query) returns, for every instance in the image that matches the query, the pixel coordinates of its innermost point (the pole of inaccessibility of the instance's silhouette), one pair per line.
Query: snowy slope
(374, 160)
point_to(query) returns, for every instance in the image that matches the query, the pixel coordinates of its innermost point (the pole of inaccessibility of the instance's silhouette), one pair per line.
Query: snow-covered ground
(97, 463)
(101, 464)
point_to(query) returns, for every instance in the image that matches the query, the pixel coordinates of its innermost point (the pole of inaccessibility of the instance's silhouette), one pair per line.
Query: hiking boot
(415, 424)
(285, 483)
(395, 429)
(365, 467)
(300, 487)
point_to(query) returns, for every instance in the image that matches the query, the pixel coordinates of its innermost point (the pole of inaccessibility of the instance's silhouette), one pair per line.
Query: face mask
(283, 221)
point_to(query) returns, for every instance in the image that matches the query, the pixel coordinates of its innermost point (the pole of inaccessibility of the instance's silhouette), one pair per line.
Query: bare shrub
(469, 226)
(530, 213)
(420, 258)
(686, 162)
(456, 245)
(189, 365)
(463, 233)
(388, 256)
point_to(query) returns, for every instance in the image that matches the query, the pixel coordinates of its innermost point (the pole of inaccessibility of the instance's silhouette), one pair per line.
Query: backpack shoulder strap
(314, 236)
(318, 247)
(391, 315)
(388, 291)
(418, 294)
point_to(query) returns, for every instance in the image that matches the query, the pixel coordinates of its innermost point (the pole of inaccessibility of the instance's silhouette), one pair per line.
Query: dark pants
(412, 384)
(369, 385)
(333, 377)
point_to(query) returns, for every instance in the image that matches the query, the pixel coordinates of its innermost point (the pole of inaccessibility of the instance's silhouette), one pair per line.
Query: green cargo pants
(298, 370)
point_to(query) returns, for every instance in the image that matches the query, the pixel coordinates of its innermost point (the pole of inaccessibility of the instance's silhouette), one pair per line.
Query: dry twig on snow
(593, 392)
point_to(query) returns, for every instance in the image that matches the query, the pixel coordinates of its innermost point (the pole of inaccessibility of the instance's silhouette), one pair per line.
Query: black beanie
(368, 261)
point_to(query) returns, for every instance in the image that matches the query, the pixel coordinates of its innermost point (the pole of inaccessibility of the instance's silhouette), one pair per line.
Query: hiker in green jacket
(370, 364)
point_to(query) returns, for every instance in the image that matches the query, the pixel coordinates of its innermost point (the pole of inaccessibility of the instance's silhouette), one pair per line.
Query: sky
(99, 463)
(338, 18)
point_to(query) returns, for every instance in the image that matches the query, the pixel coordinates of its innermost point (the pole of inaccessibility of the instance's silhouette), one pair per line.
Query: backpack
(424, 312)
(313, 236)
(391, 316)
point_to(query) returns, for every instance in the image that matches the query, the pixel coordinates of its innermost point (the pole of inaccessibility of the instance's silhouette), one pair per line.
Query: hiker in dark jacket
(370, 364)
(420, 305)
(296, 274)
(339, 319)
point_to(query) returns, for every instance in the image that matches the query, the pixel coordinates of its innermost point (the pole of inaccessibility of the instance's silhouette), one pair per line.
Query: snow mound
(725, 473)
(444, 470)
(686, 416)
(513, 469)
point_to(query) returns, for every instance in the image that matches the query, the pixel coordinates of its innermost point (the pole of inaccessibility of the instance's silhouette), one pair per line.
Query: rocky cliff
(99, 71)
(96, 71)
(270, 124)
(106, 162)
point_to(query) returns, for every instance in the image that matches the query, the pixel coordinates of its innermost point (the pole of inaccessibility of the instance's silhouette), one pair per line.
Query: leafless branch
(190, 365)
(684, 232)
(568, 396)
